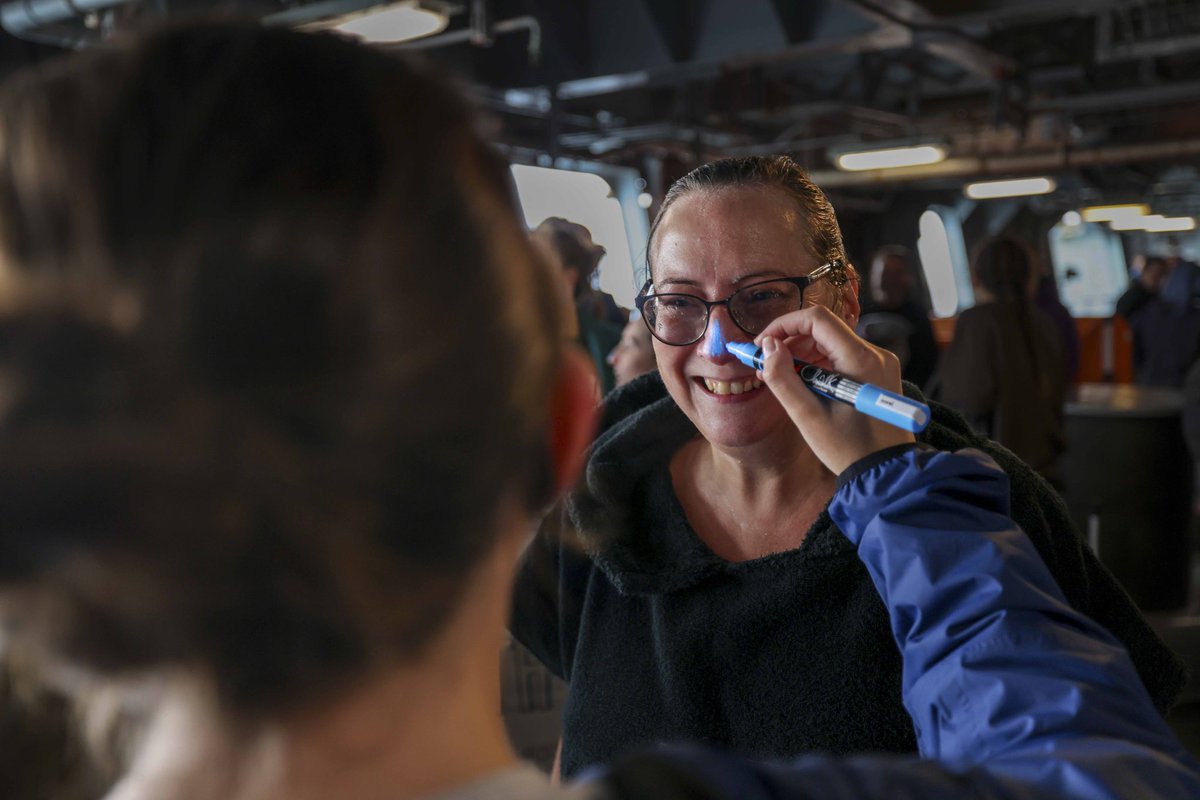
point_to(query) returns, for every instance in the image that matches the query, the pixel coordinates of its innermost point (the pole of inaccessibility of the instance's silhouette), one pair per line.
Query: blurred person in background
(268, 458)
(598, 319)
(893, 320)
(1162, 307)
(1045, 297)
(634, 354)
(1004, 370)
(1149, 275)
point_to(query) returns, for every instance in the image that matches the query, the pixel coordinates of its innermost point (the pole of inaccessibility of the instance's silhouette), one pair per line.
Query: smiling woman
(715, 599)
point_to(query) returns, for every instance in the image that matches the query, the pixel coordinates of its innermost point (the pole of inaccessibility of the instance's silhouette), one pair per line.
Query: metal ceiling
(1103, 94)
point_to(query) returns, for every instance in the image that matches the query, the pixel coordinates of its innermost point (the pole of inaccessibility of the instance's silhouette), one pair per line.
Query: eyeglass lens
(682, 319)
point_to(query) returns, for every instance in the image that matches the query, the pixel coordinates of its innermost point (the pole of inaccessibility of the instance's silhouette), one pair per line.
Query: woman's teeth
(732, 387)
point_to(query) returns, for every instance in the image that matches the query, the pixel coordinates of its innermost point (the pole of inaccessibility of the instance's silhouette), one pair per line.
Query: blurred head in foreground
(277, 373)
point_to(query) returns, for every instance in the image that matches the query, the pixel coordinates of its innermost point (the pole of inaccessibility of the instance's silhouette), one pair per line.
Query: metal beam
(1121, 99)
(1020, 14)
(936, 37)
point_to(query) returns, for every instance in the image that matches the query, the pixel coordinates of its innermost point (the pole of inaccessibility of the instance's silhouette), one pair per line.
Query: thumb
(779, 373)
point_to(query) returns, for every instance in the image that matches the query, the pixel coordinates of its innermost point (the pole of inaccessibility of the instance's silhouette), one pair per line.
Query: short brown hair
(280, 351)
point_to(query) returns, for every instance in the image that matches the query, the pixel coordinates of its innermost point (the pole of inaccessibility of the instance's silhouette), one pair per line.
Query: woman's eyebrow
(757, 274)
(678, 281)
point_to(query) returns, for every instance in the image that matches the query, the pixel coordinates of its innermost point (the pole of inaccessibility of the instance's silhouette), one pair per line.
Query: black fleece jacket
(661, 640)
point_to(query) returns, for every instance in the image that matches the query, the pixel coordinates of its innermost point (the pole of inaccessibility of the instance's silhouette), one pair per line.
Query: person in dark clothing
(889, 296)
(1162, 306)
(1004, 369)
(1046, 298)
(693, 585)
(1144, 287)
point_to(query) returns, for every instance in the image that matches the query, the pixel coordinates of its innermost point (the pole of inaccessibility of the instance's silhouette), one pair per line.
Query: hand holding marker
(894, 409)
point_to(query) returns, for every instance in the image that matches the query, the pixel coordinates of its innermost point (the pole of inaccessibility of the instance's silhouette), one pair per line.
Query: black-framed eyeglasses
(681, 319)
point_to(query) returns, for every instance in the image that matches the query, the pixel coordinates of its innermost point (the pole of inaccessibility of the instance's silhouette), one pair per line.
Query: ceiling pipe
(1016, 164)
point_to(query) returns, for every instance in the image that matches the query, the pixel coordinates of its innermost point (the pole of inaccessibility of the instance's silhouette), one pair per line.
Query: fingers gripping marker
(894, 409)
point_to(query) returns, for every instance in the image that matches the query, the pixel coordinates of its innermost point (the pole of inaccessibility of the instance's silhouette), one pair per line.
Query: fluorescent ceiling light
(393, 23)
(891, 157)
(1129, 223)
(1154, 223)
(1170, 224)
(990, 190)
(1111, 213)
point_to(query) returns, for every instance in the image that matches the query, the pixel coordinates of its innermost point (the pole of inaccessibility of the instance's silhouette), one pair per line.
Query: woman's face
(710, 243)
(633, 355)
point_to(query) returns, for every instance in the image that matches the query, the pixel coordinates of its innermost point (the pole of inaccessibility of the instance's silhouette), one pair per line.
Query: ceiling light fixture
(397, 22)
(1154, 223)
(890, 157)
(1111, 213)
(1170, 224)
(1020, 187)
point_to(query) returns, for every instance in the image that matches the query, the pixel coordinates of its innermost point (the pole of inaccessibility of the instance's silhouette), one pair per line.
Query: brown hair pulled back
(272, 362)
(823, 236)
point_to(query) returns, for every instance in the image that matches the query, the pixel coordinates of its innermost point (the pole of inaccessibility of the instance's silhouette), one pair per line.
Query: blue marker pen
(894, 409)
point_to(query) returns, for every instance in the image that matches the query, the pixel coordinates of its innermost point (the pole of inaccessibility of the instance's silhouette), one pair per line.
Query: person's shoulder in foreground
(1012, 692)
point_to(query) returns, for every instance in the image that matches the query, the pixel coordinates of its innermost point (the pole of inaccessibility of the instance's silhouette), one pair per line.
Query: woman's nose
(713, 343)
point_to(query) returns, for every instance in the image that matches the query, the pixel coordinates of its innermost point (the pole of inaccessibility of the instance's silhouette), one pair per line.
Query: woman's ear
(573, 416)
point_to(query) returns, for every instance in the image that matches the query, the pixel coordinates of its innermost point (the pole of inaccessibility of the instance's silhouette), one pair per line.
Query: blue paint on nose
(716, 341)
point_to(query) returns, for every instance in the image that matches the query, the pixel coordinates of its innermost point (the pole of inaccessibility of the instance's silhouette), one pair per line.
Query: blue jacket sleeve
(1013, 693)
(1000, 673)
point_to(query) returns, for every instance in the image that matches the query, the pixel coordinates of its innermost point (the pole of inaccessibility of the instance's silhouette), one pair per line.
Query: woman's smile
(732, 390)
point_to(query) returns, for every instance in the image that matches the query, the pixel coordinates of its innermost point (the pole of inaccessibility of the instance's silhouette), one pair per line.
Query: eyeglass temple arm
(835, 270)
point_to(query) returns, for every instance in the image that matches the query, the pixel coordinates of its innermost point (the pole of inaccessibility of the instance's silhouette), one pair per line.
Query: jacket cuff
(873, 460)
